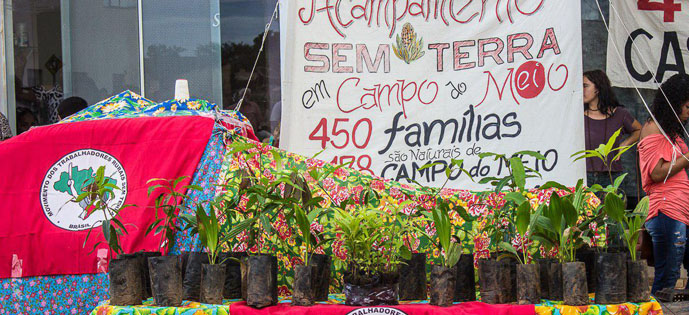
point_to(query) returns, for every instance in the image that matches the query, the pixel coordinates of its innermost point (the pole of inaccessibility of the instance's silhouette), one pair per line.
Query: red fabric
(670, 197)
(241, 308)
(32, 245)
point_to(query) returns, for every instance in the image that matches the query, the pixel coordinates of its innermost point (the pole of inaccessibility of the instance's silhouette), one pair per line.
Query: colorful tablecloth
(556, 308)
(237, 307)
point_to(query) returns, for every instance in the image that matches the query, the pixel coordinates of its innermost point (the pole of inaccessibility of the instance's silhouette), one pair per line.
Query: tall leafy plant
(561, 226)
(99, 194)
(208, 229)
(445, 240)
(630, 223)
(516, 209)
(603, 152)
(170, 201)
(264, 196)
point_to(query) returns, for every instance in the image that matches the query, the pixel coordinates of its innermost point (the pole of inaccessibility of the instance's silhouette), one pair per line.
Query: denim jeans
(669, 239)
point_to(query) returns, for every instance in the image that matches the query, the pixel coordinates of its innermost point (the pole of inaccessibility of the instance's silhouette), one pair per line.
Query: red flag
(42, 230)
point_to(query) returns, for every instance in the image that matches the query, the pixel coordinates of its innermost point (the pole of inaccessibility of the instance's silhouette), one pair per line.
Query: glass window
(101, 48)
(181, 41)
(37, 52)
(242, 26)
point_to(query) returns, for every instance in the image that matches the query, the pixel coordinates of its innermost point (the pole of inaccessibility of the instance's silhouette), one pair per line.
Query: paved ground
(676, 308)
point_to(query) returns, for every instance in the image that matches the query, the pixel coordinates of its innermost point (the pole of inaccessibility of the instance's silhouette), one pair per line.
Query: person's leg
(669, 239)
(655, 229)
(676, 237)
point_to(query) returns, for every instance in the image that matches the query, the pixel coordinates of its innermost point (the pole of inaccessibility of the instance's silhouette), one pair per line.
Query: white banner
(390, 86)
(647, 41)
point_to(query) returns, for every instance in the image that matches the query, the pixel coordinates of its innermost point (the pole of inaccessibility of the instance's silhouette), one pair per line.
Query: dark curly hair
(607, 102)
(676, 90)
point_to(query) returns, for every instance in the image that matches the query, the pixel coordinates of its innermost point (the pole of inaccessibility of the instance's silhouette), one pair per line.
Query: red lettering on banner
(508, 79)
(393, 11)
(343, 133)
(529, 80)
(459, 56)
(524, 50)
(669, 7)
(339, 58)
(549, 42)
(494, 47)
(494, 53)
(399, 93)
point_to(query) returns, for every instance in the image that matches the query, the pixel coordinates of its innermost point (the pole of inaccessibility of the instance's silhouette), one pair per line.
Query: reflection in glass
(242, 27)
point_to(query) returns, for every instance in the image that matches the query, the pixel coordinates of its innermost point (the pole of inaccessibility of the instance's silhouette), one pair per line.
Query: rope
(263, 41)
(636, 88)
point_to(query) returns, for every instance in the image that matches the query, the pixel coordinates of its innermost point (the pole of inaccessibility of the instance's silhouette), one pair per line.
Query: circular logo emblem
(376, 310)
(69, 177)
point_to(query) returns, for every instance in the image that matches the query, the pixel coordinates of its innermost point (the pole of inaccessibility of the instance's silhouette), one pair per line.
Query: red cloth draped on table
(43, 231)
(406, 309)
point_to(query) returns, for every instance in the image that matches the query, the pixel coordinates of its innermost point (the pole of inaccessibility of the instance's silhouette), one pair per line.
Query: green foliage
(445, 241)
(170, 200)
(560, 224)
(371, 239)
(208, 229)
(631, 223)
(265, 198)
(602, 152)
(517, 209)
(98, 194)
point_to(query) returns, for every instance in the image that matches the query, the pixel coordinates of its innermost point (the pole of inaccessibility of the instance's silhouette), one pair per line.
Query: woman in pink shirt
(663, 161)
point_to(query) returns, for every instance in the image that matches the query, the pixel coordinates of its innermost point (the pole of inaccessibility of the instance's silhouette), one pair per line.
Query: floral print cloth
(546, 308)
(556, 308)
(346, 184)
(118, 106)
(131, 105)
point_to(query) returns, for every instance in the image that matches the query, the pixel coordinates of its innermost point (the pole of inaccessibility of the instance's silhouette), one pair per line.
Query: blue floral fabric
(74, 294)
(207, 176)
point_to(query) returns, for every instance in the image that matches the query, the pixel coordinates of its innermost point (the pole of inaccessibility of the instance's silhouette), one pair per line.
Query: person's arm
(634, 135)
(660, 171)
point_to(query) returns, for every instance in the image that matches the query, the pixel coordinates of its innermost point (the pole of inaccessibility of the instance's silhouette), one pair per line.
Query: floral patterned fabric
(116, 106)
(74, 294)
(207, 177)
(556, 308)
(131, 105)
(546, 308)
(348, 184)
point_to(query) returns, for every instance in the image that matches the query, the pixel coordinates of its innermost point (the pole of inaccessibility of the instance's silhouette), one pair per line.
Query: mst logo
(71, 176)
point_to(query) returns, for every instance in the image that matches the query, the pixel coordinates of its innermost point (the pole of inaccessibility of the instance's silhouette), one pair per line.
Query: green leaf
(611, 142)
(535, 154)
(614, 207)
(508, 247)
(515, 197)
(618, 180)
(523, 218)
(518, 172)
(405, 253)
(106, 230)
(553, 184)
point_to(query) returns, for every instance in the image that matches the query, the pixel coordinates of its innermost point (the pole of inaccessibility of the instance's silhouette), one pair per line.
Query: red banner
(42, 228)
(407, 309)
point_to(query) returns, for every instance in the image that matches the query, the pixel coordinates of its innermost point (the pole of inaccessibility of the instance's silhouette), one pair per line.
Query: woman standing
(603, 117)
(662, 164)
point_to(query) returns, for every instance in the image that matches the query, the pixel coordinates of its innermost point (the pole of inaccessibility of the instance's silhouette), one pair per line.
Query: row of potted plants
(377, 239)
